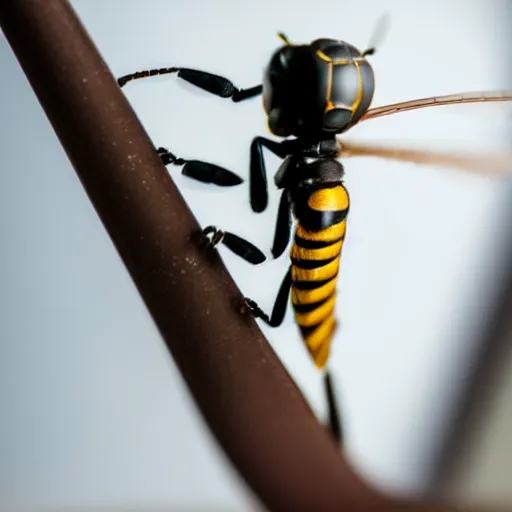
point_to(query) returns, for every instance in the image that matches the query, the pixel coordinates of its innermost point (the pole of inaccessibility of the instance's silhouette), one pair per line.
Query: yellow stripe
(322, 354)
(312, 296)
(331, 233)
(316, 338)
(324, 253)
(319, 341)
(335, 198)
(316, 274)
(317, 315)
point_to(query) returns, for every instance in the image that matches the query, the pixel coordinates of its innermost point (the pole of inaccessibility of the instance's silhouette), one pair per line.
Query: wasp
(311, 94)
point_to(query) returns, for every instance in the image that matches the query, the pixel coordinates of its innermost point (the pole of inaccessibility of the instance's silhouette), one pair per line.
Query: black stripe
(306, 331)
(312, 285)
(310, 218)
(306, 308)
(311, 264)
(317, 220)
(315, 244)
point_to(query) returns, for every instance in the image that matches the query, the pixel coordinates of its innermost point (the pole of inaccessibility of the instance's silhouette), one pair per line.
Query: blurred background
(94, 413)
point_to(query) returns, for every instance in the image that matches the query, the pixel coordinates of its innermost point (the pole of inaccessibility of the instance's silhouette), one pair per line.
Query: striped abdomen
(321, 222)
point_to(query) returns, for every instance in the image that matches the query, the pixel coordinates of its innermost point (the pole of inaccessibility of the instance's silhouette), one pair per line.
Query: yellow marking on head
(342, 106)
(335, 198)
(328, 103)
(326, 235)
(312, 296)
(340, 62)
(316, 316)
(360, 90)
(336, 62)
(323, 253)
(283, 38)
(324, 57)
(316, 274)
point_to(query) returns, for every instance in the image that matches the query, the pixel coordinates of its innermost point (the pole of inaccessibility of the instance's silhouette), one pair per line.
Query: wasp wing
(489, 164)
(450, 99)
(243, 248)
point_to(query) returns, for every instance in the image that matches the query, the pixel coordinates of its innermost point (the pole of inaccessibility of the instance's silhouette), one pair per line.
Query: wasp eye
(337, 118)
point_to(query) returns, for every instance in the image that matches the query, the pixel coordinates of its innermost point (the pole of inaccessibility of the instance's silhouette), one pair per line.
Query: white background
(94, 411)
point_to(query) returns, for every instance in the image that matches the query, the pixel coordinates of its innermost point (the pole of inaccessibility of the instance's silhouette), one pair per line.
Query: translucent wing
(450, 99)
(492, 164)
(380, 31)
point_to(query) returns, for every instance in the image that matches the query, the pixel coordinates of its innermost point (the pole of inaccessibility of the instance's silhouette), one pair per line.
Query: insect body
(311, 94)
(315, 264)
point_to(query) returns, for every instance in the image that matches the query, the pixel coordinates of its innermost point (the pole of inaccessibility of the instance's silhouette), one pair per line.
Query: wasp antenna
(379, 32)
(369, 51)
(283, 38)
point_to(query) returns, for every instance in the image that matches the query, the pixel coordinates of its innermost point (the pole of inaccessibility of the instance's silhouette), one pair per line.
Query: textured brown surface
(248, 400)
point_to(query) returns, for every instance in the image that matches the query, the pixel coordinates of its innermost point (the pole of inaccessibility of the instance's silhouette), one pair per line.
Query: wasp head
(317, 89)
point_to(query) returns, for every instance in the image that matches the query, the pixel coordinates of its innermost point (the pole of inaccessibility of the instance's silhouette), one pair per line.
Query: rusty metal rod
(245, 395)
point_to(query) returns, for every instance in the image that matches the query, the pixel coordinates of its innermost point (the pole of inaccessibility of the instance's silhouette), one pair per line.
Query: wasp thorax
(317, 89)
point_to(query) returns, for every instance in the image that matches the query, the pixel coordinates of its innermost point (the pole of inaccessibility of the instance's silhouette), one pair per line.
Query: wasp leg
(200, 171)
(258, 174)
(279, 309)
(236, 244)
(283, 226)
(208, 82)
(334, 415)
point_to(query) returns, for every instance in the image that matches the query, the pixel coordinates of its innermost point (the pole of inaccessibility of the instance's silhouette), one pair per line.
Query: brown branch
(245, 395)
